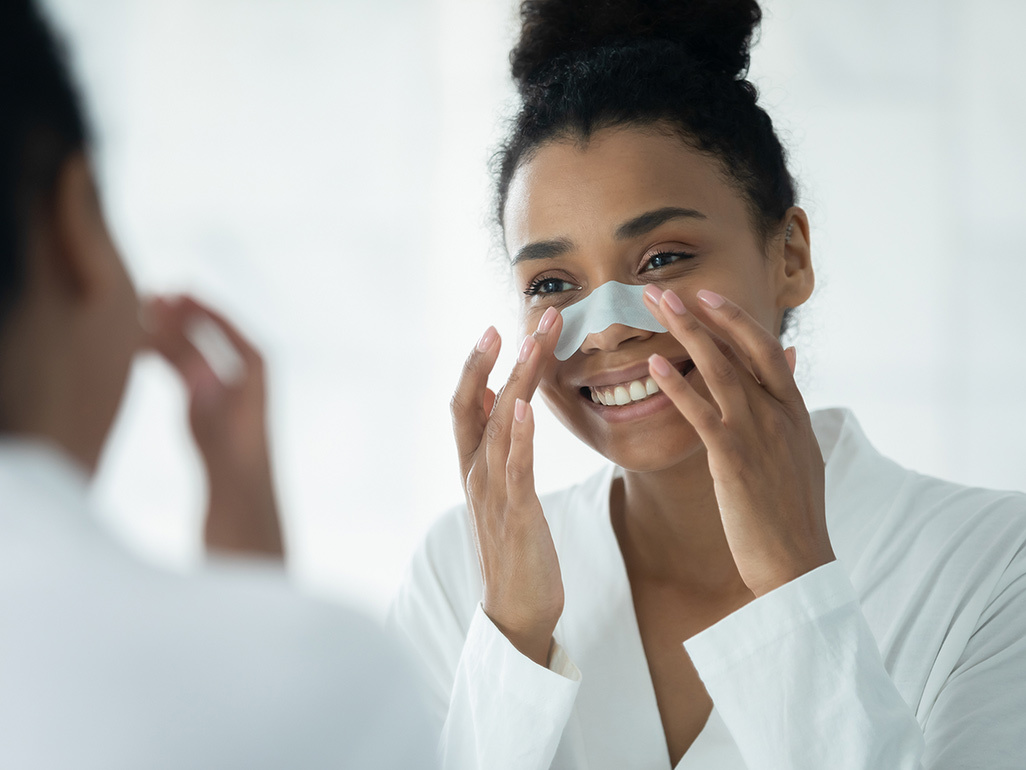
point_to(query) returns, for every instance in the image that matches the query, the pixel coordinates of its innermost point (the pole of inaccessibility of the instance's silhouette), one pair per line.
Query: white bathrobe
(907, 652)
(109, 664)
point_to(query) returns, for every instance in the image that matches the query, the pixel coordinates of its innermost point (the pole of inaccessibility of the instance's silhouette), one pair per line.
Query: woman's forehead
(570, 187)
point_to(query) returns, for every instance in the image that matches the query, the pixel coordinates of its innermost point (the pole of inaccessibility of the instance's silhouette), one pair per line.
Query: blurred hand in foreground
(224, 376)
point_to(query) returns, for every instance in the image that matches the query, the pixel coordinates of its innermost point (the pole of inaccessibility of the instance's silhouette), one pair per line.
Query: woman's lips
(628, 392)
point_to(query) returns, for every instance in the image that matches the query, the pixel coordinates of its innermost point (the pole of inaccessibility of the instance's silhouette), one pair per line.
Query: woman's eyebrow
(544, 250)
(650, 220)
(632, 228)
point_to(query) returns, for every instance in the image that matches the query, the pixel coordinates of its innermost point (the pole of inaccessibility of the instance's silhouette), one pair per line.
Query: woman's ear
(795, 276)
(79, 244)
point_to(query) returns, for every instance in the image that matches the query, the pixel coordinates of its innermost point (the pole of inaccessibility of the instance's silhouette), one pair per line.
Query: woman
(748, 585)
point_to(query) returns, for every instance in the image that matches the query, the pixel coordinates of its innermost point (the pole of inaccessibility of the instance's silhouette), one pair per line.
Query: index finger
(167, 337)
(763, 349)
(190, 306)
(526, 374)
(468, 402)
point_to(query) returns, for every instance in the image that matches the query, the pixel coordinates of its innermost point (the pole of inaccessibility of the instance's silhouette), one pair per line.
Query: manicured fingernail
(659, 365)
(526, 348)
(653, 293)
(791, 354)
(673, 302)
(548, 318)
(487, 339)
(711, 298)
(520, 410)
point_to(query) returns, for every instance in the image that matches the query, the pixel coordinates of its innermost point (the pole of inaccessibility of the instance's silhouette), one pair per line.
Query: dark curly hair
(41, 126)
(679, 65)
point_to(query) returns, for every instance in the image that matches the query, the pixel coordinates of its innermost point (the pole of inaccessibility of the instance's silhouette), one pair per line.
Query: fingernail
(520, 409)
(711, 298)
(548, 318)
(673, 302)
(526, 348)
(487, 339)
(659, 365)
(653, 293)
(792, 357)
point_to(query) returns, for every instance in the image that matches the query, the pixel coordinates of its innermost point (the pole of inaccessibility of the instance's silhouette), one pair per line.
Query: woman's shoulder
(863, 483)
(888, 520)
(962, 524)
(933, 562)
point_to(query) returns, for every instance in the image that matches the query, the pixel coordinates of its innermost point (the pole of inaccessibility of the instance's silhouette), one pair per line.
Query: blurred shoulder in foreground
(106, 662)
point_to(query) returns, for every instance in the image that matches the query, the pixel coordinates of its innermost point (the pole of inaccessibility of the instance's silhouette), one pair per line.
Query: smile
(631, 392)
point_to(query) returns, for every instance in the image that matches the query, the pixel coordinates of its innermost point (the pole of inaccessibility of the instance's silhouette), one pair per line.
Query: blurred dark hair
(41, 126)
(679, 65)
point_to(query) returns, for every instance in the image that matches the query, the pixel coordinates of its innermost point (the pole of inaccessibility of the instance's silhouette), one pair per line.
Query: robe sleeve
(505, 711)
(799, 680)
(493, 707)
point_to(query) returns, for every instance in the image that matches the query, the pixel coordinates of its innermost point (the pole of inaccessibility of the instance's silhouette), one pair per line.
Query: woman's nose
(612, 337)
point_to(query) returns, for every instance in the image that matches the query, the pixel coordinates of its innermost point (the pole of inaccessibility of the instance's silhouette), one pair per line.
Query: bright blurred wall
(318, 169)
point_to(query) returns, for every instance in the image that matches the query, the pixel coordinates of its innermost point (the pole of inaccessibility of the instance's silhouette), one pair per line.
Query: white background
(318, 170)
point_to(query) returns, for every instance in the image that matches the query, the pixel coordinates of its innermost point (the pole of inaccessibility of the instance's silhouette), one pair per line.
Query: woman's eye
(548, 286)
(665, 258)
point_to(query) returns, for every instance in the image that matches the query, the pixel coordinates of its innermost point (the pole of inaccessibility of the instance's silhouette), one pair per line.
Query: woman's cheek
(549, 381)
(679, 284)
(548, 372)
(529, 319)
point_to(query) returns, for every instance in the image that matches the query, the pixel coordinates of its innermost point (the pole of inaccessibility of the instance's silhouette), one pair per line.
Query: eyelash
(535, 285)
(534, 288)
(682, 254)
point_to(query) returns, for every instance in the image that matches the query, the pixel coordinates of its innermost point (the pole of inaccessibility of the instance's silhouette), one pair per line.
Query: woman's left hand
(765, 462)
(227, 415)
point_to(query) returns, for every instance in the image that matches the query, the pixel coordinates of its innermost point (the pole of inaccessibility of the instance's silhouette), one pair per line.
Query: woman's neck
(669, 528)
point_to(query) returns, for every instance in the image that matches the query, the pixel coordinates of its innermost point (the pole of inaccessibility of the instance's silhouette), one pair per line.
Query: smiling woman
(747, 585)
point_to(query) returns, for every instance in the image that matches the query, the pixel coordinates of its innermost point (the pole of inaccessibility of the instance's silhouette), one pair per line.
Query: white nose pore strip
(611, 303)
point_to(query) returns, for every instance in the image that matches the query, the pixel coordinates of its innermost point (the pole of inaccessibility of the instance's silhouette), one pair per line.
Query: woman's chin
(645, 460)
(647, 451)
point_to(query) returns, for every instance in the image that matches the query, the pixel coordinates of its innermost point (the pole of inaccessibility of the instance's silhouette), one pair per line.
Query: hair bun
(715, 33)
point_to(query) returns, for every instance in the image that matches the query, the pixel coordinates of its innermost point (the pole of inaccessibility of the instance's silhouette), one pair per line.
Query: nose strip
(611, 303)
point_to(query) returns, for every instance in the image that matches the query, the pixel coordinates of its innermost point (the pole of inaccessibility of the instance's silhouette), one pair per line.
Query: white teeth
(628, 392)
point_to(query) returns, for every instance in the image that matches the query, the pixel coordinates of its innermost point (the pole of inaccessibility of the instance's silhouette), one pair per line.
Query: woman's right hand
(523, 588)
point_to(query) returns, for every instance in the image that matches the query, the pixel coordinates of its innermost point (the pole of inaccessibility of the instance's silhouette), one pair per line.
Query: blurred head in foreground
(68, 310)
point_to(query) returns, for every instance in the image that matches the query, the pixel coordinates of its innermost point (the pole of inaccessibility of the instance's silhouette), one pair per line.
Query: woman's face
(637, 206)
